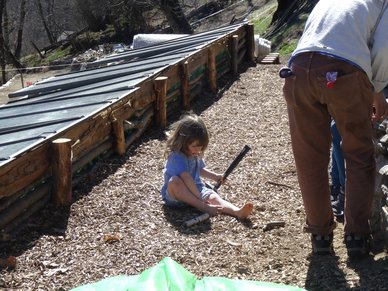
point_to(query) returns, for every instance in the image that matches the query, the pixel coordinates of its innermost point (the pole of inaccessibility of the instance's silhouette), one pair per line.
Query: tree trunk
(95, 22)
(5, 24)
(283, 5)
(5, 53)
(175, 16)
(45, 25)
(289, 8)
(10, 57)
(51, 19)
(19, 38)
(2, 54)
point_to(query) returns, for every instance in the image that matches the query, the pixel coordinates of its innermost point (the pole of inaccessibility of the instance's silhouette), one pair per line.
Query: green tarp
(168, 275)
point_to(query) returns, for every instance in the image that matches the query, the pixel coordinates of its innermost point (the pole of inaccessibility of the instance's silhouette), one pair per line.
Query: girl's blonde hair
(189, 128)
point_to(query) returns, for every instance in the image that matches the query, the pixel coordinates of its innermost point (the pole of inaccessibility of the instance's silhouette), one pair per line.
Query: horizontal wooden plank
(271, 58)
(25, 170)
(88, 132)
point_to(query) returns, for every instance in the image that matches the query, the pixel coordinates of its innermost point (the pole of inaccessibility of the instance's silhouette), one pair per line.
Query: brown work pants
(311, 104)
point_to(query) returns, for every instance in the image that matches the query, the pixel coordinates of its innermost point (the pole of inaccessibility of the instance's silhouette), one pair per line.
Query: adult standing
(339, 69)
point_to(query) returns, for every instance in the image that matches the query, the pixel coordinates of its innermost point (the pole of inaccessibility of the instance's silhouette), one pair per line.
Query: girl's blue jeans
(337, 159)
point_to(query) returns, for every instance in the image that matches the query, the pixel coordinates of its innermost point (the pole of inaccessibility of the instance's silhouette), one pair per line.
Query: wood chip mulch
(119, 225)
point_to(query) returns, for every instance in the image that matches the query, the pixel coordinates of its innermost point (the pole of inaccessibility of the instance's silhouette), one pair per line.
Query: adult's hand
(380, 105)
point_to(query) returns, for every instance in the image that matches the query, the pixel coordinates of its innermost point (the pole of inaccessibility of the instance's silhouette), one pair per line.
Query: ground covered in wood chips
(119, 225)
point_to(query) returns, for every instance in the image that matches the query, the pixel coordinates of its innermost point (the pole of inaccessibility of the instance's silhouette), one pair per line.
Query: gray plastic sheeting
(47, 108)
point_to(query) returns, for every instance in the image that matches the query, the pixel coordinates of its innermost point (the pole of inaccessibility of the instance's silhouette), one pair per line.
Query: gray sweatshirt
(343, 28)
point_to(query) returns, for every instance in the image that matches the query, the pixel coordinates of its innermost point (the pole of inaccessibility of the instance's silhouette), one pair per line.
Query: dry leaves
(9, 263)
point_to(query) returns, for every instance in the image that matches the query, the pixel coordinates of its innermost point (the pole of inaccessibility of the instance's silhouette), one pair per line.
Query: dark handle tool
(233, 165)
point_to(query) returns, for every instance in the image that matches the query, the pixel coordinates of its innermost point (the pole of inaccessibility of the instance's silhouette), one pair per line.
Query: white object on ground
(197, 219)
(143, 40)
(262, 47)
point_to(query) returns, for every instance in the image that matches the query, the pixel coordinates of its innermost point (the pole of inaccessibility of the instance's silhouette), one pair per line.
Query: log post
(234, 54)
(160, 87)
(21, 78)
(118, 131)
(185, 86)
(212, 69)
(62, 179)
(250, 35)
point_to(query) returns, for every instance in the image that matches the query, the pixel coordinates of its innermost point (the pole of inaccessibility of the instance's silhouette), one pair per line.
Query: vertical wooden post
(212, 69)
(160, 88)
(118, 131)
(250, 35)
(234, 54)
(21, 78)
(62, 179)
(185, 86)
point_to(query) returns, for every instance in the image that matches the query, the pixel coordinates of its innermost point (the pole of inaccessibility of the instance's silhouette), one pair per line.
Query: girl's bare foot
(244, 211)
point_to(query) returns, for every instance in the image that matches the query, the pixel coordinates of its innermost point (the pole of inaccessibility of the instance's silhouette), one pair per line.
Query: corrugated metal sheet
(49, 107)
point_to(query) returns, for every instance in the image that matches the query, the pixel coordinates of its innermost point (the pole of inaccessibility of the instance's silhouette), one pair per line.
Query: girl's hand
(220, 178)
(213, 210)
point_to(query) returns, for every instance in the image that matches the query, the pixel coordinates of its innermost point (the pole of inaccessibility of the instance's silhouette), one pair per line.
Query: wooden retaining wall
(46, 173)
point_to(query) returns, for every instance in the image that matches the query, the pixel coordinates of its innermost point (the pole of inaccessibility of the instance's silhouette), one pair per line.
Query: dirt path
(63, 248)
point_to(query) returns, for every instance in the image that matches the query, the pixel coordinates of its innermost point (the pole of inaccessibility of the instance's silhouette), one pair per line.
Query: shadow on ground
(369, 273)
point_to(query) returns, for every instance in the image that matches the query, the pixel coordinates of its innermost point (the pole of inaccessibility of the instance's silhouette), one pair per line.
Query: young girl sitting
(186, 144)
